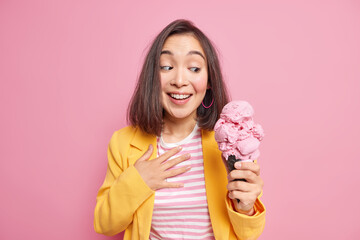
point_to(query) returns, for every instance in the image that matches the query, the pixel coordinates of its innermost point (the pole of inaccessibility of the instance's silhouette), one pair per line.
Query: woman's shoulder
(130, 135)
(125, 131)
(123, 135)
(208, 134)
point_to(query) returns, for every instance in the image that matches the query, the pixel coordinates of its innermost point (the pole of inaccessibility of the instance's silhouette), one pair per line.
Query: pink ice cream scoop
(237, 135)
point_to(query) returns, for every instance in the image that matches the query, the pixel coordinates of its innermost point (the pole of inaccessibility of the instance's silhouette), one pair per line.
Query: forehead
(182, 44)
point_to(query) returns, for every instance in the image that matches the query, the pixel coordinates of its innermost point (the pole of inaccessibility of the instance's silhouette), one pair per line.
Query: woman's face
(183, 76)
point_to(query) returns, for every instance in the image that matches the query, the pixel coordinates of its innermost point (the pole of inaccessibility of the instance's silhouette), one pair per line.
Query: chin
(182, 115)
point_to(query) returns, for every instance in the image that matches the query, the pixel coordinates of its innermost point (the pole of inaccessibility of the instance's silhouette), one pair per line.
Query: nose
(179, 79)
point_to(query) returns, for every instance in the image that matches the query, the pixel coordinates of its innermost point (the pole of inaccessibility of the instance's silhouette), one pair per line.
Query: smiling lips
(178, 98)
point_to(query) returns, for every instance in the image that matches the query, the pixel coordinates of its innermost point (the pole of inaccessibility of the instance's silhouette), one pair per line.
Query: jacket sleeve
(247, 227)
(122, 192)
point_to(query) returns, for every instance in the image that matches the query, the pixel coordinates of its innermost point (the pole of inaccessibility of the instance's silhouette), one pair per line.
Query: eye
(166, 68)
(194, 69)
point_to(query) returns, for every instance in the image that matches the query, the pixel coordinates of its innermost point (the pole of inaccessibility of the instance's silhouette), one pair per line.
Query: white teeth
(179, 96)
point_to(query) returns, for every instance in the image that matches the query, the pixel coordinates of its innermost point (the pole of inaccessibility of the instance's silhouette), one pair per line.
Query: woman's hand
(156, 171)
(247, 192)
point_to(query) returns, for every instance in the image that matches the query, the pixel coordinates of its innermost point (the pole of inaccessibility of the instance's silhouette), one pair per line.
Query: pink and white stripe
(182, 213)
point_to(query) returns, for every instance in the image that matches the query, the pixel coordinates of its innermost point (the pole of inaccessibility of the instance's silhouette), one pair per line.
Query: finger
(246, 199)
(177, 171)
(240, 186)
(248, 175)
(251, 166)
(147, 154)
(169, 153)
(175, 161)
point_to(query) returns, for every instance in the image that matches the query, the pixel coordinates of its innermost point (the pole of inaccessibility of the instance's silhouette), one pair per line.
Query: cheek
(200, 84)
(162, 83)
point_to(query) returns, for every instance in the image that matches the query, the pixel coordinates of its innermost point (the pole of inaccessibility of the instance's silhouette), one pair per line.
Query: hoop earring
(209, 105)
(212, 101)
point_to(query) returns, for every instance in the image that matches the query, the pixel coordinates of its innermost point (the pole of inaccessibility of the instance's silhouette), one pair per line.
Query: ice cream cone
(231, 166)
(237, 135)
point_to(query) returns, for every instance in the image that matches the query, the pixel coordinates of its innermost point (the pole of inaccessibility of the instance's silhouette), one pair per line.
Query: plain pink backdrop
(68, 69)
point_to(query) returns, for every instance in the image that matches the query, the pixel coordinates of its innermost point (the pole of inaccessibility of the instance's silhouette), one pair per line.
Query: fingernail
(238, 165)
(179, 147)
(188, 155)
(150, 147)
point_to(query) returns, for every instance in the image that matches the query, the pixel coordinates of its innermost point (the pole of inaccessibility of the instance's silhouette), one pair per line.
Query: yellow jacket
(125, 202)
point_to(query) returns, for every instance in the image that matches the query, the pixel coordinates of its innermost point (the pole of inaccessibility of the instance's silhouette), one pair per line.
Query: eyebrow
(189, 53)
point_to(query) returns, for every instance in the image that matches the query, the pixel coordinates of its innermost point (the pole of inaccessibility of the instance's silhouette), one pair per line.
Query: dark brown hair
(145, 109)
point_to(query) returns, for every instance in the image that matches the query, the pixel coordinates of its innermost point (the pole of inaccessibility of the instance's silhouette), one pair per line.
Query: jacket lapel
(215, 184)
(142, 140)
(139, 145)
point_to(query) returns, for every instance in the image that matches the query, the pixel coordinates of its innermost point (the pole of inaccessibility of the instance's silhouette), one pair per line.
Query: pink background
(68, 69)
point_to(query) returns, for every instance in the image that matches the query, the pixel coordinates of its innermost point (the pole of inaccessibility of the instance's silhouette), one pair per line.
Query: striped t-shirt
(182, 213)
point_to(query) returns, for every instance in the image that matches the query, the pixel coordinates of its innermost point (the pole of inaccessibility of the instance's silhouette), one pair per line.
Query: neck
(176, 130)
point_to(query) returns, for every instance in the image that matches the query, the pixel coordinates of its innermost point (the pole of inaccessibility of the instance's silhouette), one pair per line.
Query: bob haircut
(145, 109)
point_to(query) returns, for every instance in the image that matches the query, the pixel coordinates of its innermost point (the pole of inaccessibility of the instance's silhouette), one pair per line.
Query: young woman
(165, 177)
